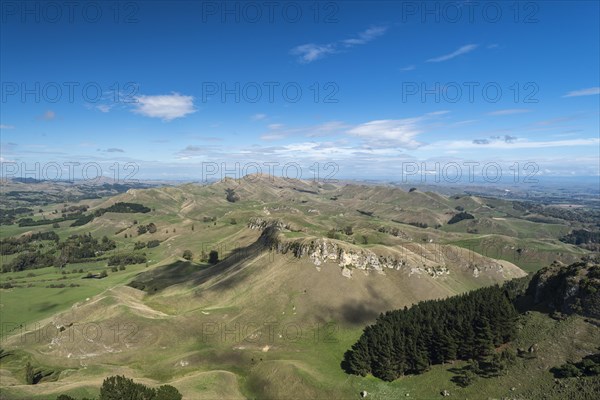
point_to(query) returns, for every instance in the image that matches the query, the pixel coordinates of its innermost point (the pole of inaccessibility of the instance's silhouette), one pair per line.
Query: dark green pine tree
(506, 318)
(484, 339)
(445, 347)
(467, 340)
(382, 357)
(357, 360)
(416, 357)
(399, 354)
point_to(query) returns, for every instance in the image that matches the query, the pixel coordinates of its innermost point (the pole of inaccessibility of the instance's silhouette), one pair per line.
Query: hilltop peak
(267, 181)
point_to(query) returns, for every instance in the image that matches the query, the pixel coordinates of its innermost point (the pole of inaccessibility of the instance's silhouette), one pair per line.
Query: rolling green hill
(303, 266)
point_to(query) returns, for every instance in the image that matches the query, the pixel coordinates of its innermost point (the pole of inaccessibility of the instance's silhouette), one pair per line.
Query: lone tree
(151, 227)
(213, 257)
(168, 392)
(232, 196)
(187, 254)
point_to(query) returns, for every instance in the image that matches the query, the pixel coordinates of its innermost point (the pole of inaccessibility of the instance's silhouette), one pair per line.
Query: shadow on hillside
(366, 310)
(179, 272)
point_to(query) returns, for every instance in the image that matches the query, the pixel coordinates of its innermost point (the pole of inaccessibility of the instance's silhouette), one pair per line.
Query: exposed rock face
(571, 289)
(320, 251)
(351, 258)
(260, 223)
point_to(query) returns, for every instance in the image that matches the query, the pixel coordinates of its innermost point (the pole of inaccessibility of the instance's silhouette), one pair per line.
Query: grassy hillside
(267, 321)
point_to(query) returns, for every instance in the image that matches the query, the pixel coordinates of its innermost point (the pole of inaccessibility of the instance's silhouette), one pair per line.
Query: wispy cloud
(584, 92)
(510, 111)
(7, 127)
(505, 138)
(193, 151)
(408, 68)
(165, 107)
(104, 108)
(462, 50)
(376, 134)
(365, 36)
(511, 144)
(280, 131)
(258, 117)
(310, 52)
(112, 150)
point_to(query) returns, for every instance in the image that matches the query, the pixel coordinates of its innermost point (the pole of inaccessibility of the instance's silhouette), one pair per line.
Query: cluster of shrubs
(150, 244)
(122, 388)
(29, 260)
(127, 259)
(589, 366)
(459, 217)
(151, 228)
(79, 248)
(120, 207)
(419, 224)
(583, 238)
(12, 245)
(212, 257)
(61, 285)
(8, 216)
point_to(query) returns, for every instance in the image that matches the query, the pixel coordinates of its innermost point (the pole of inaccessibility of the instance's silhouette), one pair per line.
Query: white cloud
(366, 36)
(166, 107)
(510, 111)
(462, 50)
(408, 68)
(584, 92)
(103, 108)
(272, 136)
(377, 134)
(258, 117)
(310, 52)
(7, 127)
(398, 132)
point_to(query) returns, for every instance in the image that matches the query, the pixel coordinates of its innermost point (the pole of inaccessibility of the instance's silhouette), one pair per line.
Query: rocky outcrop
(262, 224)
(568, 289)
(321, 251)
(433, 260)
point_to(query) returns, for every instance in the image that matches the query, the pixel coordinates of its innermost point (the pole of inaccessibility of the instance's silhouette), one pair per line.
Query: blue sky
(372, 88)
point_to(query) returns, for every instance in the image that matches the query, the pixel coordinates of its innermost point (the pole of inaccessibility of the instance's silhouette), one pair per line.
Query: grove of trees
(409, 341)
